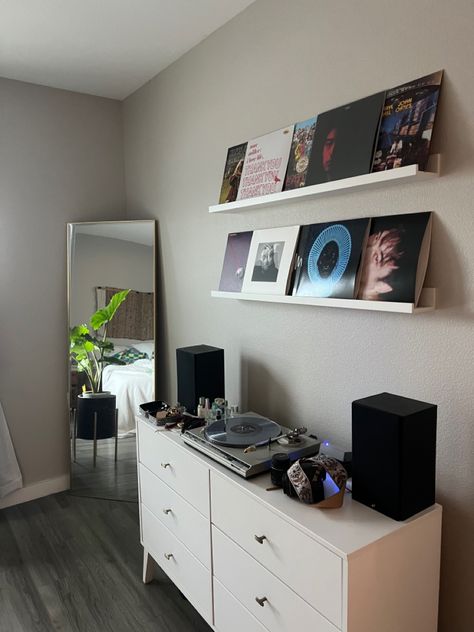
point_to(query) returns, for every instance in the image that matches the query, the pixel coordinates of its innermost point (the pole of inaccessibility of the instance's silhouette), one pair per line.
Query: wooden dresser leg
(148, 567)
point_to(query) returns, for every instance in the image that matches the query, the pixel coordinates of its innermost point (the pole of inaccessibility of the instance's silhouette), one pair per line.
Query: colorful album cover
(266, 160)
(407, 124)
(344, 140)
(329, 257)
(235, 260)
(396, 258)
(299, 154)
(232, 173)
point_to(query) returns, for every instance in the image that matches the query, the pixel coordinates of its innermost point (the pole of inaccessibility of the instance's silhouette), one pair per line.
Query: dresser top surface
(344, 530)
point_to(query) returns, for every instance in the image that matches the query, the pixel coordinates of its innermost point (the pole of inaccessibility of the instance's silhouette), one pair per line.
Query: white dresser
(252, 560)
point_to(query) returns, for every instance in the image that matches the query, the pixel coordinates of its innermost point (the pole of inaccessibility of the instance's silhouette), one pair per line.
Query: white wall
(105, 262)
(61, 160)
(276, 63)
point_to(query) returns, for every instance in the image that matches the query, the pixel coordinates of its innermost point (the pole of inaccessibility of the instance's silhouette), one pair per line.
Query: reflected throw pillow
(130, 355)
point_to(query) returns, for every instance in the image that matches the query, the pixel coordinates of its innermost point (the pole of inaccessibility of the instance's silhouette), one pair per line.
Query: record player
(246, 443)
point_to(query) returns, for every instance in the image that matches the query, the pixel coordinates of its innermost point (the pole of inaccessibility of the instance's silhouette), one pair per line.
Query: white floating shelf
(379, 178)
(427, 302)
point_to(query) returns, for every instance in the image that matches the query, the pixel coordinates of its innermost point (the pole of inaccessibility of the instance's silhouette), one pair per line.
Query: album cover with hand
(396, 258)
(329, 257)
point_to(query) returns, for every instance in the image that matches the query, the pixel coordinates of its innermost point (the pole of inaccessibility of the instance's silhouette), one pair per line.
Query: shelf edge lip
(408, 172)
(379, 306)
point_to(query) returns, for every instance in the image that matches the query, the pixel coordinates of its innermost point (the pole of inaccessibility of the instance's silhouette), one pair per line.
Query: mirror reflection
(111, 285)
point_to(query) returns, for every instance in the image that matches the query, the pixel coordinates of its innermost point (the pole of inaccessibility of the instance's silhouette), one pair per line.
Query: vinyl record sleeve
(266, 160)
(270, 260)
(344, 140)
(232, 173)
(235, 260)
(396, 258)
(328, 258)
(407, 123)
(300, 154)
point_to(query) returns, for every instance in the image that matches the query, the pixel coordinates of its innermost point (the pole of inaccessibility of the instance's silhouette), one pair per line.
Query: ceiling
(138, 231)
(103, 47)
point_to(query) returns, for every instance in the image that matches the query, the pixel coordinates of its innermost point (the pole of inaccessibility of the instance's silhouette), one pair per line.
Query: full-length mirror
(111, 307)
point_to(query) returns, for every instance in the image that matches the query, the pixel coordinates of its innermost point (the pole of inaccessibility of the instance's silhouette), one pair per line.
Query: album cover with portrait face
(344, 140)
(329, 257)
(270, 260)
(235, 260)
(396, 258)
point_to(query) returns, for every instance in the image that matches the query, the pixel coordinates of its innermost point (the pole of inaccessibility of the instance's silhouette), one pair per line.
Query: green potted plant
(88, 351)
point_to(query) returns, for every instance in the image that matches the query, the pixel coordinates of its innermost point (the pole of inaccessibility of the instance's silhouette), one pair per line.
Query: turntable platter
(241, 431)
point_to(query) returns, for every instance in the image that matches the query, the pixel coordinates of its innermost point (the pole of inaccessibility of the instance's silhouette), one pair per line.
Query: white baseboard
(36, 490)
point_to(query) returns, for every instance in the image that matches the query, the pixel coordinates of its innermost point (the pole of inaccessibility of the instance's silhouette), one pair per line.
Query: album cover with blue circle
(328, 258)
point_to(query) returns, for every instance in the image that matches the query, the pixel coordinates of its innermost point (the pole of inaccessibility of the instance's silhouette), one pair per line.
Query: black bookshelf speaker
(200, 374)
(394, 454)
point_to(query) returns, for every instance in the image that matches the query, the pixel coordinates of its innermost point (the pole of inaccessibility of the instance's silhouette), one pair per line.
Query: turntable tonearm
(246, 443)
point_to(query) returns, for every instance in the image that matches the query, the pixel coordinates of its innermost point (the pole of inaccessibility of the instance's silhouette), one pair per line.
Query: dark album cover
(344, 140)
(396, 258)
(407, 124)
(232, 173)
(299, 154)
(328, 258)
(235, 260)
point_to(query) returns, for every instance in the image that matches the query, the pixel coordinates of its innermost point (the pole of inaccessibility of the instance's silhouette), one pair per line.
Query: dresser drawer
(189, 575)
(174, 465)
(280, 609)
(183, 520)
(230, 615)
(312, 571)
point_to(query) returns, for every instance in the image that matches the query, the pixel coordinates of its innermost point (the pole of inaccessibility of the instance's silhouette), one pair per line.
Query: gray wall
(276, 63)
(105, 262)
(61, 160)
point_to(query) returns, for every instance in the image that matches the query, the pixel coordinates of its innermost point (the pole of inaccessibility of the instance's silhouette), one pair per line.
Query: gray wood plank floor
(110, 479)
(72, 564)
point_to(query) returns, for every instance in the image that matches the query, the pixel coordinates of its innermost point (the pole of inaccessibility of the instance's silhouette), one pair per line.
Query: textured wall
(61, 160)
(276, 63)
(106, 262)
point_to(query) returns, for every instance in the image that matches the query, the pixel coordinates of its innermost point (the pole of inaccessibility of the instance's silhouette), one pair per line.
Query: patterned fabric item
(130, 355)
(301, 482)
(134, 318)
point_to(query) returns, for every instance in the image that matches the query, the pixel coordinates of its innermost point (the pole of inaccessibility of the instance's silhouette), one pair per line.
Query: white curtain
(10, 475)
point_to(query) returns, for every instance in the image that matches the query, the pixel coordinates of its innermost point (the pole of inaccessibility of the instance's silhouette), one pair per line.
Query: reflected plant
(88, 349)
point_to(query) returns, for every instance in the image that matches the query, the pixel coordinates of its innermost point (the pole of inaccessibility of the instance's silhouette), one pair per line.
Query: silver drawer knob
(165, 465)
(166, 511)
(260, 538)
(261, 600)
(168, 555)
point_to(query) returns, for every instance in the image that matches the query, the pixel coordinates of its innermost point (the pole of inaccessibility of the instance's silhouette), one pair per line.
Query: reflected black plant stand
(74, 412)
